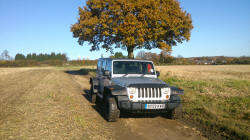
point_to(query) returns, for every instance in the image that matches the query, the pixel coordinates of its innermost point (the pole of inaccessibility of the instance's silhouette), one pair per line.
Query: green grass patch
(242, 85)
(224, 115)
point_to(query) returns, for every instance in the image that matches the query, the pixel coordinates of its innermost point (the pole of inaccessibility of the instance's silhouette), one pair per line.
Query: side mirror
(157, 73)
(106, 73)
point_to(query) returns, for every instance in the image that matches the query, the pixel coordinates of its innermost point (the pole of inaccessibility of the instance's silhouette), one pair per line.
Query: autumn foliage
(132, 24)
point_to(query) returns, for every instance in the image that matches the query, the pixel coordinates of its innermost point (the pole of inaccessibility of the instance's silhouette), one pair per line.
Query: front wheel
(175, 113)
(171, 114)
(112, 113)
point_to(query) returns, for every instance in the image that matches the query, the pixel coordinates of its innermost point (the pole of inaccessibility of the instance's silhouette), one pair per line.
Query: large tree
(132, 24)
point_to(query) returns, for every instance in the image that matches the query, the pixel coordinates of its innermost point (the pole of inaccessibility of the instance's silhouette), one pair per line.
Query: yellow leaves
(164, 46)
(141, 40)
(87, 31)
(129, 41)
(105, 25)
(115, 30)
(106, 33)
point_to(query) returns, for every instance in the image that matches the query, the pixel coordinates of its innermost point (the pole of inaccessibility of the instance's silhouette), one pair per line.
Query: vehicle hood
(128, 81)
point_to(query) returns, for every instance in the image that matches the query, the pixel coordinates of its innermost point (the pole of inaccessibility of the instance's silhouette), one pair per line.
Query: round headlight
(164, 90)
(132, 90)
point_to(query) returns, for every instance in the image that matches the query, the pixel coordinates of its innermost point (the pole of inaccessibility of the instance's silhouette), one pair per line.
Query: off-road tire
(112, 113)
(175, 113)
(171, 114)
(92, 94)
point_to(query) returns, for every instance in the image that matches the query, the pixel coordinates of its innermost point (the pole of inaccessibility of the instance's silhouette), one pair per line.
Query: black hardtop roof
(125, 59)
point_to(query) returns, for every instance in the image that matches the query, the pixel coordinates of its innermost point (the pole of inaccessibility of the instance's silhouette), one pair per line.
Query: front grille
(149, 93)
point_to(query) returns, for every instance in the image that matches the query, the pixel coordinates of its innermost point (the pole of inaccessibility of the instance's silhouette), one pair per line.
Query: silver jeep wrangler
(131, 85)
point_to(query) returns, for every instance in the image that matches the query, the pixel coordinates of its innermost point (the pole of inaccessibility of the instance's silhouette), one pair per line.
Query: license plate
(154, 106)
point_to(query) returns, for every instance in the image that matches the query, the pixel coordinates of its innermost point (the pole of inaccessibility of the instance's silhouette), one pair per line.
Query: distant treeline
(31, 63)
(34, 59)
(215, 60)
(42, 57)
(164, 58)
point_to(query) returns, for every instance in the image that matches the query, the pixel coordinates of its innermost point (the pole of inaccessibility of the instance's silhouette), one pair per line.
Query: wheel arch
(108, 92)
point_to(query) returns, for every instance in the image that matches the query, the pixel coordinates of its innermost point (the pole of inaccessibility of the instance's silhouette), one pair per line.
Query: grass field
(52, 103)
(217, 98)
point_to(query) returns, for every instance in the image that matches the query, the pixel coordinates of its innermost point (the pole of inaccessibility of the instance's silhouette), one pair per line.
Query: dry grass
(216, 97)
(208, 72)
(6, 71)
(46, 104)
(50, 103)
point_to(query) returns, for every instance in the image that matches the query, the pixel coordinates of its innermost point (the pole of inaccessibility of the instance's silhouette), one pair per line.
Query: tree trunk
(130, 52)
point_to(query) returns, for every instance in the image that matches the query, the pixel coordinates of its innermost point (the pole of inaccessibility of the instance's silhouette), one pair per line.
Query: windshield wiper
(125, 74)
(143, 74)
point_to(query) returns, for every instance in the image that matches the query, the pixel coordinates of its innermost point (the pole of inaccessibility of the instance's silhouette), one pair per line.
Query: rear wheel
(92, 94)
(112, 113)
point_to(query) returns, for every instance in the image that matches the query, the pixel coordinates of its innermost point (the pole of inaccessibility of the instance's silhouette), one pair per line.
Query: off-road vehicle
(131, 85)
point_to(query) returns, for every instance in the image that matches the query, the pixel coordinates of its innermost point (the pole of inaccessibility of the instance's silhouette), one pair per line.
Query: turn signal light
(167, 96)
(131, 96)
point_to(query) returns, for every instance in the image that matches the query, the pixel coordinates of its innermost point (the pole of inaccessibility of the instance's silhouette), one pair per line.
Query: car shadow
(100, 109)
(84, 71)
(86, 95)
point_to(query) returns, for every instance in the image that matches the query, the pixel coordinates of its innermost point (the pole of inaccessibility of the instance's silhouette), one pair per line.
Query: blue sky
(221, 27)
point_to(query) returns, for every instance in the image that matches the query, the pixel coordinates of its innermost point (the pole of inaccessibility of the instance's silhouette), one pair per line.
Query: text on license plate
(154, 106)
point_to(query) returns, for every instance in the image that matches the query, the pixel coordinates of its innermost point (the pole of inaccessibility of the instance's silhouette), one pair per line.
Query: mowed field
(216, 99)
(53, 103)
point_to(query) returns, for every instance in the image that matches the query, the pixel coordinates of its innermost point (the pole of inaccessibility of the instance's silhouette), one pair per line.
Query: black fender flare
(116, 90)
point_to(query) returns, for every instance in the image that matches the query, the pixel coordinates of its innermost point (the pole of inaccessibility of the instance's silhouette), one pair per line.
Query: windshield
(133, 67)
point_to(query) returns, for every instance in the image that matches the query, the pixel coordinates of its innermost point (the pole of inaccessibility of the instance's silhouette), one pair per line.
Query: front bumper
(125, 104)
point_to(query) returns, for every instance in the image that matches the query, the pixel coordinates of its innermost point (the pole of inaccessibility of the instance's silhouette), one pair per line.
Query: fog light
(131, 96)
(167, 96)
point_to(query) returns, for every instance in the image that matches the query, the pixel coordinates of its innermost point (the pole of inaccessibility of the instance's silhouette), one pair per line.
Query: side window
(108, 67)
(103, 65)
(99, 65)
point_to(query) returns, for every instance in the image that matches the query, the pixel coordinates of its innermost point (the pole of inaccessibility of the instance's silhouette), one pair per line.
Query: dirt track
(47, 103)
